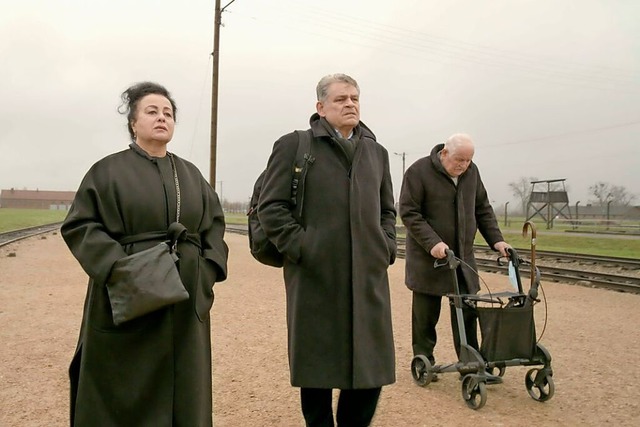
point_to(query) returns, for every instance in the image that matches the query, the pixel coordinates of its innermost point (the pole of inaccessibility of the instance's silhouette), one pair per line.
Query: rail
(588, 270)
(620, 274)
(12, 236)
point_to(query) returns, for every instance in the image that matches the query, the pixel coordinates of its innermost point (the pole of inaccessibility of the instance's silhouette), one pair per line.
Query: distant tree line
(235, 207)
(603, 193)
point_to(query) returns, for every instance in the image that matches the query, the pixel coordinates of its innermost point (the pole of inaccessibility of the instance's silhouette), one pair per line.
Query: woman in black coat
(154, 370)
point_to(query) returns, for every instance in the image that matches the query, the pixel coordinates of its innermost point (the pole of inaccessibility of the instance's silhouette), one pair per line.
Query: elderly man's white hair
(458, 140)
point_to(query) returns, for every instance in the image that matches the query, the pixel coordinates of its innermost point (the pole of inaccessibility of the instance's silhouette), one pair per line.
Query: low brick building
(36, 199)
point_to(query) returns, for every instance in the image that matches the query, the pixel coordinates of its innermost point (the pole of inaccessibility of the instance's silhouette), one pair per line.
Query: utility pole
(403, 156)
(214, 90)
(506, 213)
(221, 194)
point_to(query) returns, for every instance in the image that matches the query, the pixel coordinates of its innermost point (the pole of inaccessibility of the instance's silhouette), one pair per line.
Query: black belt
(175, 233)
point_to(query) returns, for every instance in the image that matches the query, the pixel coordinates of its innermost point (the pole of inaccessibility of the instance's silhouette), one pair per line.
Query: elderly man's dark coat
(154, 370)
(335, 272)
(433, 209)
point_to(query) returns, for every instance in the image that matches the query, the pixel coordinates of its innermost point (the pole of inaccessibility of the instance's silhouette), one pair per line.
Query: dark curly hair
(134, 94)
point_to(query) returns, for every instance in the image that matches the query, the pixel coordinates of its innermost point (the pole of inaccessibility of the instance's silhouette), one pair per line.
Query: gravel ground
(592, 334)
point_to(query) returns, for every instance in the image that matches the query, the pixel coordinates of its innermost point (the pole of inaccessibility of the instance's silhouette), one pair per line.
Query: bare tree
(605, 192)
(522, 190)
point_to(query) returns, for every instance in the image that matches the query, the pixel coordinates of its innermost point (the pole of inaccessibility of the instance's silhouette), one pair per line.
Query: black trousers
(355, 407)
(425, 313)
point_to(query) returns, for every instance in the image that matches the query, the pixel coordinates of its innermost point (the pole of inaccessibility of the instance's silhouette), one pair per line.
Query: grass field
(561, 239)
(558, 241)
(13, 219)
(547, 240)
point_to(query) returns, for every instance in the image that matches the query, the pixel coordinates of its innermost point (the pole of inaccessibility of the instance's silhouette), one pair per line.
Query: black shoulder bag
(148, 280)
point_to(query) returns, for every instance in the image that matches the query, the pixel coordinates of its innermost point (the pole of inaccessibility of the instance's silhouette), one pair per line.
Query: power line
(198, 114)
(452, 43)
(450, 49)
(551, 137)
(562, 135)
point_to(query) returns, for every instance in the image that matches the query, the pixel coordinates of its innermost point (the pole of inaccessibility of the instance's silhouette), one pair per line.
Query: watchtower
(550, 201)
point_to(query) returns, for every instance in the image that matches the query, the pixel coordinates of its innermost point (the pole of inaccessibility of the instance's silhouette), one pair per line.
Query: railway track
(8, 237)
(620, 274)
(613, 263)
(583, 277)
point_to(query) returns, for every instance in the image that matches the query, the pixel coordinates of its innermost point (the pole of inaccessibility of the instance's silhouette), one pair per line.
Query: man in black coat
(443, 203)
(336, 258)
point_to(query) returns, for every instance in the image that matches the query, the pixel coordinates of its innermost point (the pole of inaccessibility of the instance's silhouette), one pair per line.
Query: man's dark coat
(335, 272)
(154, 370)
(433, 209)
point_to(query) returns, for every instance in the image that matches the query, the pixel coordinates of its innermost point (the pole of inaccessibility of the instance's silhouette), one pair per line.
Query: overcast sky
(547, 88)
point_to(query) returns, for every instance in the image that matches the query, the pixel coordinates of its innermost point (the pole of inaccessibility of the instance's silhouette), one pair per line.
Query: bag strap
(304, 159)
(177, 182)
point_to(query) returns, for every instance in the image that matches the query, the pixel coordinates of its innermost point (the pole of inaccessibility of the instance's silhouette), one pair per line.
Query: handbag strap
(175, 178)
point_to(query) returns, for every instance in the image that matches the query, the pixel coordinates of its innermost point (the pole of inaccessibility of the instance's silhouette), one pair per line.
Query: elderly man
(336, 258)
(443, 203)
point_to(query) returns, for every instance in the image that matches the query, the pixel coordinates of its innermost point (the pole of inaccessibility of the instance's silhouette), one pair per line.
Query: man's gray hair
(456, 141)
(326, 81)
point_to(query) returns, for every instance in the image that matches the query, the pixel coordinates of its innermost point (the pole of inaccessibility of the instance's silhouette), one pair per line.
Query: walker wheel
(500, 373)
(540, 386)
(474, 392)
(421, 370)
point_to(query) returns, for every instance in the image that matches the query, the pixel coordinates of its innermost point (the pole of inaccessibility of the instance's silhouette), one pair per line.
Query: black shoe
(435, 378)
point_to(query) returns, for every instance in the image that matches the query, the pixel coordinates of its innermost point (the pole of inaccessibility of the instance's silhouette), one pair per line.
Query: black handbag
(148, 280)
(144, 282)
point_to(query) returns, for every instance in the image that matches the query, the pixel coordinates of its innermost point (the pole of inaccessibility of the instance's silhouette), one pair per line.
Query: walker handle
(515, 260)
(450, 260)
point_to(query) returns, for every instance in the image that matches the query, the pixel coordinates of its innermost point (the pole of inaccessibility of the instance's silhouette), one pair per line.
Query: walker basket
(507, 333)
